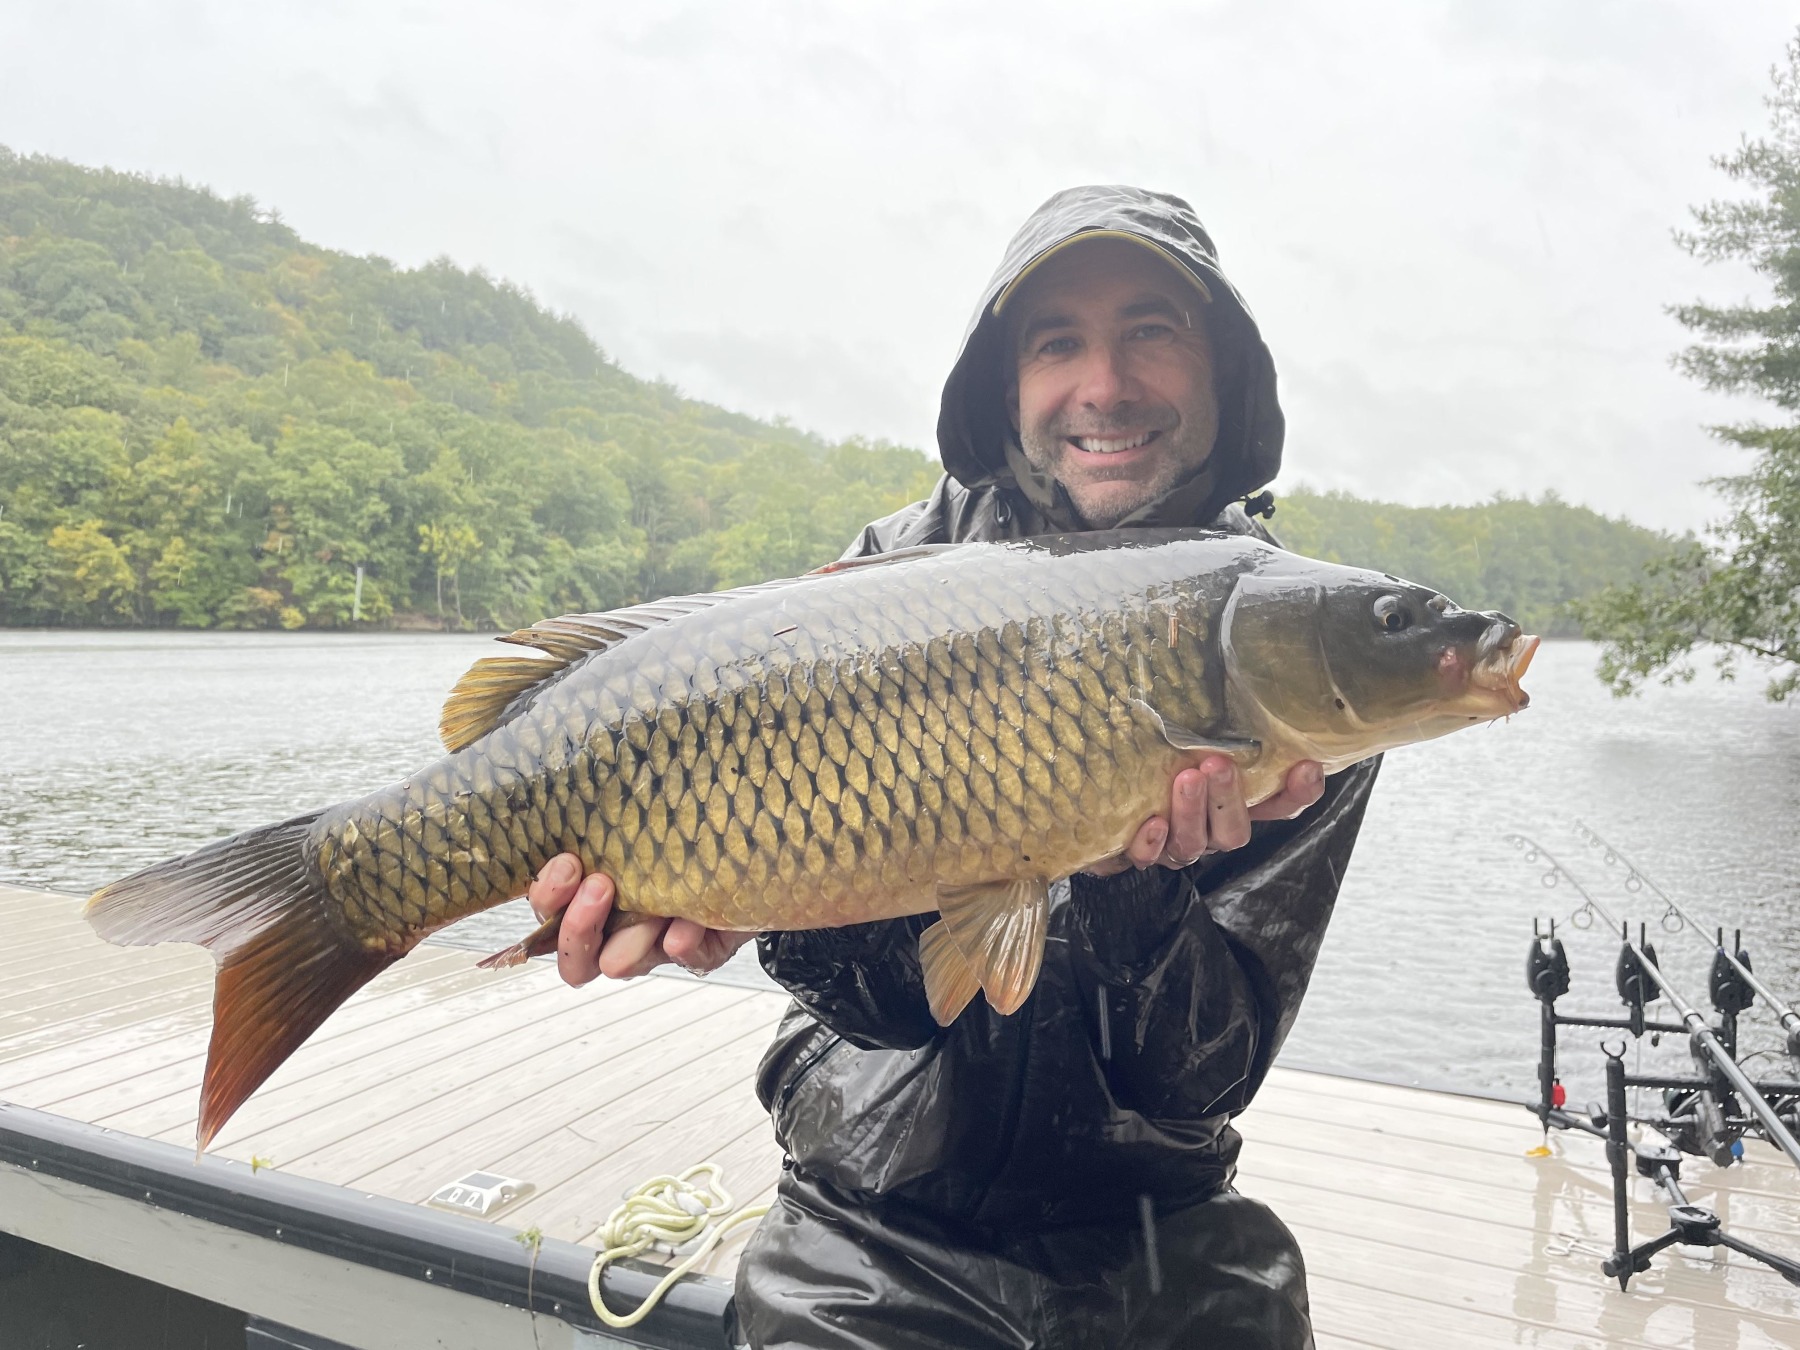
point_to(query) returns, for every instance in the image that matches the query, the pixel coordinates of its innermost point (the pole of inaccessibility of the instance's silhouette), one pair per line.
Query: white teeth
(1094, 445)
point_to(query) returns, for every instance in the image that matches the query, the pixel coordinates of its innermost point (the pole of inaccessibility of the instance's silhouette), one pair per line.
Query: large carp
(949, 729)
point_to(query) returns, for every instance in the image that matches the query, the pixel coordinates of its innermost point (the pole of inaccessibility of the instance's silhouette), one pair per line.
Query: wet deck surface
(1423, 1220)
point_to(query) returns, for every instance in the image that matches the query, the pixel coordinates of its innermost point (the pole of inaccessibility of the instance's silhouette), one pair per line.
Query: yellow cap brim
(1082, 238)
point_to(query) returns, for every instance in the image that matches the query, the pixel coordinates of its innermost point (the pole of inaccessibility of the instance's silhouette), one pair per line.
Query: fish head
(1343, 663)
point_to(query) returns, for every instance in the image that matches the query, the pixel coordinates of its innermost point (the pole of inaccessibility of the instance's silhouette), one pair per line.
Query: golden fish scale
(823, 756)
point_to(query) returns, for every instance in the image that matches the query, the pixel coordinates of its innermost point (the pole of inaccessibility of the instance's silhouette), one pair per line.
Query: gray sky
(1452, 219)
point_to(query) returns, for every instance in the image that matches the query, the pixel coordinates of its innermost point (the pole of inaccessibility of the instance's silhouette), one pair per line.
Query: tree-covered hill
(1527, 558)
(205, 420)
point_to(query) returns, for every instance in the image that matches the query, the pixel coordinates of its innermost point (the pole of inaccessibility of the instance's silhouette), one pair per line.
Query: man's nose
(1106, 379)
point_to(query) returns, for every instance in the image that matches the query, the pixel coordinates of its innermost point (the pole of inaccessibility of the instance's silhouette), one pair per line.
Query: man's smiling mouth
(1112, 445)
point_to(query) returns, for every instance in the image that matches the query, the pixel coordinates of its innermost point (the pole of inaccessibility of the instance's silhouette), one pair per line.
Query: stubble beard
(1101, 498)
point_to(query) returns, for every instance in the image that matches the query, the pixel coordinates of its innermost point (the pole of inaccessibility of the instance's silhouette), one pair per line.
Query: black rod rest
(1705, 1114)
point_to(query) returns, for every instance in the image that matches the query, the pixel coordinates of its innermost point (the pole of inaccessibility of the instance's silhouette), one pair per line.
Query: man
(1060, 1177)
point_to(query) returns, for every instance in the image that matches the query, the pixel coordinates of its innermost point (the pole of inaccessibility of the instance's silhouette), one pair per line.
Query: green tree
(449, 544)
(89, 570)
(1738, 590)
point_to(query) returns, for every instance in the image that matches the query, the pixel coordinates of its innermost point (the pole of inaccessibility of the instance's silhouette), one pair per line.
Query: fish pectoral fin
(950, 981)
(1241, 748)
(999, 929)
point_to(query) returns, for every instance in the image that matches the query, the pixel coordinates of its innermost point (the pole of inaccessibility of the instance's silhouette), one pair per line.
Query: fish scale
(949, 729)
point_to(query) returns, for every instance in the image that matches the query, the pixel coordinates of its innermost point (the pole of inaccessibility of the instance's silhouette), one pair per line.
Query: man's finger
(1305, 785)
(1190, 830)
(1147, 845)
(634, 951)
(583, 930)
(702, 950)
(554, 885)
(1229, 826)
(686, 945)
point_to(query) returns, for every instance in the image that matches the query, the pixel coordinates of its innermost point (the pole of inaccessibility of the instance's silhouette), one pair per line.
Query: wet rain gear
(986, 1184)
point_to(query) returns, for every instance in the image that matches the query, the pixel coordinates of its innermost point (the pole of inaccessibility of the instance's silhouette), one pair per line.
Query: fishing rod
(1699, 1033)
(1701, 1118)
(1636, 878)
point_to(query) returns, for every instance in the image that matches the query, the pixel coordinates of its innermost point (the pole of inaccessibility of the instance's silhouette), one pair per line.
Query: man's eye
(1057, 346)
(1150, 332)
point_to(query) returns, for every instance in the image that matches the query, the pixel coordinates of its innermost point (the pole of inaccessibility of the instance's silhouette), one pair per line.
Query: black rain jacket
(1163, 996)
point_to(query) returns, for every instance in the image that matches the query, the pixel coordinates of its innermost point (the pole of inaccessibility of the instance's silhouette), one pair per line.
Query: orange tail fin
(257, 904)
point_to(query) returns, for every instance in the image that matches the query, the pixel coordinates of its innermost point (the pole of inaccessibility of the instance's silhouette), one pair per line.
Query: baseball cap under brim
(1081, 238)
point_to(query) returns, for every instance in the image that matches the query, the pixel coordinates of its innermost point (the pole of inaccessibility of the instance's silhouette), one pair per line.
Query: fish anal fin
(950, 981)
(999, 928)
(1240, 748)
(540, 941)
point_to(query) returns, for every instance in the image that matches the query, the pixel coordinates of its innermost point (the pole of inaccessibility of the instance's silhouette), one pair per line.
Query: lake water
(123, 748)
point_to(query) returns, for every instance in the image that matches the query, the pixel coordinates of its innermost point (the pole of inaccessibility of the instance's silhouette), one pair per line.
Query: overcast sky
(1452, 219)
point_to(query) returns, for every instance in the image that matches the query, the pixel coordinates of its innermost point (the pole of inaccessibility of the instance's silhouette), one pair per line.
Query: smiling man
(1112, 390)
(1060, 1177)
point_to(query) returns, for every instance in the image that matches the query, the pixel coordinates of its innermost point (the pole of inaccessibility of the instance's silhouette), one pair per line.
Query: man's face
(1113, 395)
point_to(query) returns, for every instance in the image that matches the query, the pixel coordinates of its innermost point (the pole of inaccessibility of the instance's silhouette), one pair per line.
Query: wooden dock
(1423, 1219)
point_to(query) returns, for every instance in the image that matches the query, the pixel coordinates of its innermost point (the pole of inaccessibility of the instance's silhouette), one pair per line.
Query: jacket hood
(976, 440)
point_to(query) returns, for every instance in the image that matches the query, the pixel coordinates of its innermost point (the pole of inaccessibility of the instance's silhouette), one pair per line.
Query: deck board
(1422, 1218)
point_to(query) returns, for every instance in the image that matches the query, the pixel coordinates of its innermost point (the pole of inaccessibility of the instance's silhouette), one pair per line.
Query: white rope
(665, 1213)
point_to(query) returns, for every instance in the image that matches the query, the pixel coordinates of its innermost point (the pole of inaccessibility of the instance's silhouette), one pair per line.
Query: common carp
(948, 729)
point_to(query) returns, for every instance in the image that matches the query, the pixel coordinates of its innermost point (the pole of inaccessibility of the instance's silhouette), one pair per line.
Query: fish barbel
(950, 729)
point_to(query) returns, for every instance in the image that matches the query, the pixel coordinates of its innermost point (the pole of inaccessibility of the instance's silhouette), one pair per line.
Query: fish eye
(1393, 614)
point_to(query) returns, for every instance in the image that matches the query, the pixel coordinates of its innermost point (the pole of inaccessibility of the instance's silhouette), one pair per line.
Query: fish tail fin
(259, 905)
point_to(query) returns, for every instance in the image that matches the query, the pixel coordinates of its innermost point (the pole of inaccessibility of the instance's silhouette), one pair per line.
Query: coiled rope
(665, 1212)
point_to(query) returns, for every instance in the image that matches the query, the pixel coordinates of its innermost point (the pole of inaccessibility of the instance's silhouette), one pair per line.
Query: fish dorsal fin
(899, 555)
(999, 928)
(950, 981)
(497, 689)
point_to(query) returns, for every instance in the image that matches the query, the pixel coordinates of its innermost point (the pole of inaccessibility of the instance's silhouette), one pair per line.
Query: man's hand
(1207, 815)
(582, 948)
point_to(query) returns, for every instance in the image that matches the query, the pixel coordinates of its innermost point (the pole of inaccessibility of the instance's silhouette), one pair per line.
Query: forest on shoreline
(206, 421)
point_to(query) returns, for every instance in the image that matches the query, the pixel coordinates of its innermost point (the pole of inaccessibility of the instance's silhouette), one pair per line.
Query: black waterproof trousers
(823, 1272)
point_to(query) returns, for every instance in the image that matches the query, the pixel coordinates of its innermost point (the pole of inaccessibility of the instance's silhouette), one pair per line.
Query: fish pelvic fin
(999, 928)
(950, 981)
(257, 903)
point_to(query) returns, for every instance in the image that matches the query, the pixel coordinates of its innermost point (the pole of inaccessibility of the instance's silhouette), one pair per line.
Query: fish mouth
(1501, 659)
